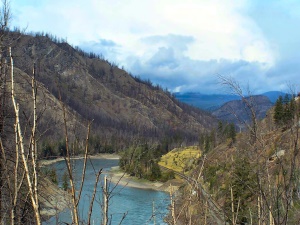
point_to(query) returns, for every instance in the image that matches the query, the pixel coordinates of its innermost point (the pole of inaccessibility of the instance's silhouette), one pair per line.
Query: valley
(148, 116)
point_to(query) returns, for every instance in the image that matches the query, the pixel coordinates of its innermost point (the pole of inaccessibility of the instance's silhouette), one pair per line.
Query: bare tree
(30, 164)
(275, 182)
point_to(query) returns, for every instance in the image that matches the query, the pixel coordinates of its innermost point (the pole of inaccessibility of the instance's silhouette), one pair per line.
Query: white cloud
(220, 28)
(166, 40)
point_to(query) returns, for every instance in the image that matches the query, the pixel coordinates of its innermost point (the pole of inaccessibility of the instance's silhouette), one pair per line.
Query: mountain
(274, 95)
(214, 101)
(237, 111)
(204, 101)
(124, 109)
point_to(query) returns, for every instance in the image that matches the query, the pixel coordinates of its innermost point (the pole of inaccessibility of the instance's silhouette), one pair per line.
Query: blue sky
(181, 45)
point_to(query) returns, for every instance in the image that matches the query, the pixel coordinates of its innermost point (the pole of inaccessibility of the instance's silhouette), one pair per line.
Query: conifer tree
(232, 132)
(279, 111)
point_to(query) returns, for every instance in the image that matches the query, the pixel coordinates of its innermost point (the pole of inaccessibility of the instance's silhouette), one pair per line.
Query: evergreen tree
(284, 111)
(290, 109)
(65, 180)
(232, 132)
(242, 185)
(53, 176)
(279, 111)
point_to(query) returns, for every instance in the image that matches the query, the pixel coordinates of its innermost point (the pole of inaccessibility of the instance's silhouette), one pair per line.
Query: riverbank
(52, 198)
(46, 162)
(118, 177)
(56, 200)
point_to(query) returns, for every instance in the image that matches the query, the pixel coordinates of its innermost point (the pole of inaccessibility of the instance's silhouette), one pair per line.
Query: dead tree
(30, 164)
(275, 182)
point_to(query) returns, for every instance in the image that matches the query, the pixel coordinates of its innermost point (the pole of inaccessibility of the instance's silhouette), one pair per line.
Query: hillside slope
(238, 113)
(248, 178)
(212, 102)
(124, 109)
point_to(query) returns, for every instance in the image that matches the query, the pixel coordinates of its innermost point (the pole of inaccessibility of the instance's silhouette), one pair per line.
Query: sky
(183, 46)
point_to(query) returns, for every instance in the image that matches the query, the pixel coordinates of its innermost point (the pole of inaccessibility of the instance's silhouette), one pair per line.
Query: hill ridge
(124, 108)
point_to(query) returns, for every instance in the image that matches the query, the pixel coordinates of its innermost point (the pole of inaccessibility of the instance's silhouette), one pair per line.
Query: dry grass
(181, 159)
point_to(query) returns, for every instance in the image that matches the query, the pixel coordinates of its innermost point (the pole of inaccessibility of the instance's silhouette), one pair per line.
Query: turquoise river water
(136, 203)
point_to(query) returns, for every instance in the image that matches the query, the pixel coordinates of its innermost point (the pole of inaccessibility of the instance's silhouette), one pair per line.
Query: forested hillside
(239, 113)
(50, 95)
(124, 109)
(251, 179)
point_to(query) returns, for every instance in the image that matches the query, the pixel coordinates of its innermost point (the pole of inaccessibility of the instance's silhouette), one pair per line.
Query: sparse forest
(49, 90)
(251, 180)
(57, 100)
(124, 108)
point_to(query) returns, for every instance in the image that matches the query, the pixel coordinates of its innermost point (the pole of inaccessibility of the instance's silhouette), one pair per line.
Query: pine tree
(279, 111)
(232, 132)
(65, 184)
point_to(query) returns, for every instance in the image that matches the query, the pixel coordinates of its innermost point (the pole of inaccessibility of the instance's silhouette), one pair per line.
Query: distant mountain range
(214, 101)
(238, 112)
(231, 108)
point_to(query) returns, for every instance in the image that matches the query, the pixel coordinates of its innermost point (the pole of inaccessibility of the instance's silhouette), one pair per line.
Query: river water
(137, 204)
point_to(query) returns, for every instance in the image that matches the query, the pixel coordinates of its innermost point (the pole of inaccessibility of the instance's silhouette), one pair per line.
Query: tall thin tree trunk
(105, 202)
(205, 213)
(153, 212)
(232, 206)
(93, 197)
(172, 205)
(258, 210)
(32, 183)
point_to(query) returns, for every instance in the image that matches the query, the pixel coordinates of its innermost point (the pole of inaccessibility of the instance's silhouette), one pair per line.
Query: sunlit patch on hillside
(181, 159)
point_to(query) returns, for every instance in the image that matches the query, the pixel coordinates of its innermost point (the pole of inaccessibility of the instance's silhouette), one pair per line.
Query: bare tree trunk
(271, 220)
(31, 179)
(258, 210)
(84, 163)
(2, 101)
(172, 205)
(5, 17)
(75, 214)
(251, 220)
(33, 142)
(93, 197)
(105, 202)
(153, 212)
(232, 207)
(205, 213)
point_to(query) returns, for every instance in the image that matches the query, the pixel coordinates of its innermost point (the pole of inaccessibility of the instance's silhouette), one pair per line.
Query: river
(137, 204)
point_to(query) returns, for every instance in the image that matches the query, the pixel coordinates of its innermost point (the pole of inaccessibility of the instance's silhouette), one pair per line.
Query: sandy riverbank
(57, 200)
(120, 178)
(116, 176)
(52, 198)
(45, 162)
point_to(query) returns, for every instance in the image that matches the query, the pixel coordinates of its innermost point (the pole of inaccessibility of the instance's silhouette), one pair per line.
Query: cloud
(179, 44)
(197, 75)
(219, 28)
(107, 48)
(164, 58)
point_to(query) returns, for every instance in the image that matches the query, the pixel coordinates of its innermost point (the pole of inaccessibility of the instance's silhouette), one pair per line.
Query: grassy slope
(181, 159)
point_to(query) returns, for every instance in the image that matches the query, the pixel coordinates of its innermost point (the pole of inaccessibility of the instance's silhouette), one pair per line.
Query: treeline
(110, 76)
(285, 110)
(225, 133)
(59, 40)
(257, 181)
(142, 162)
(114, 128)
